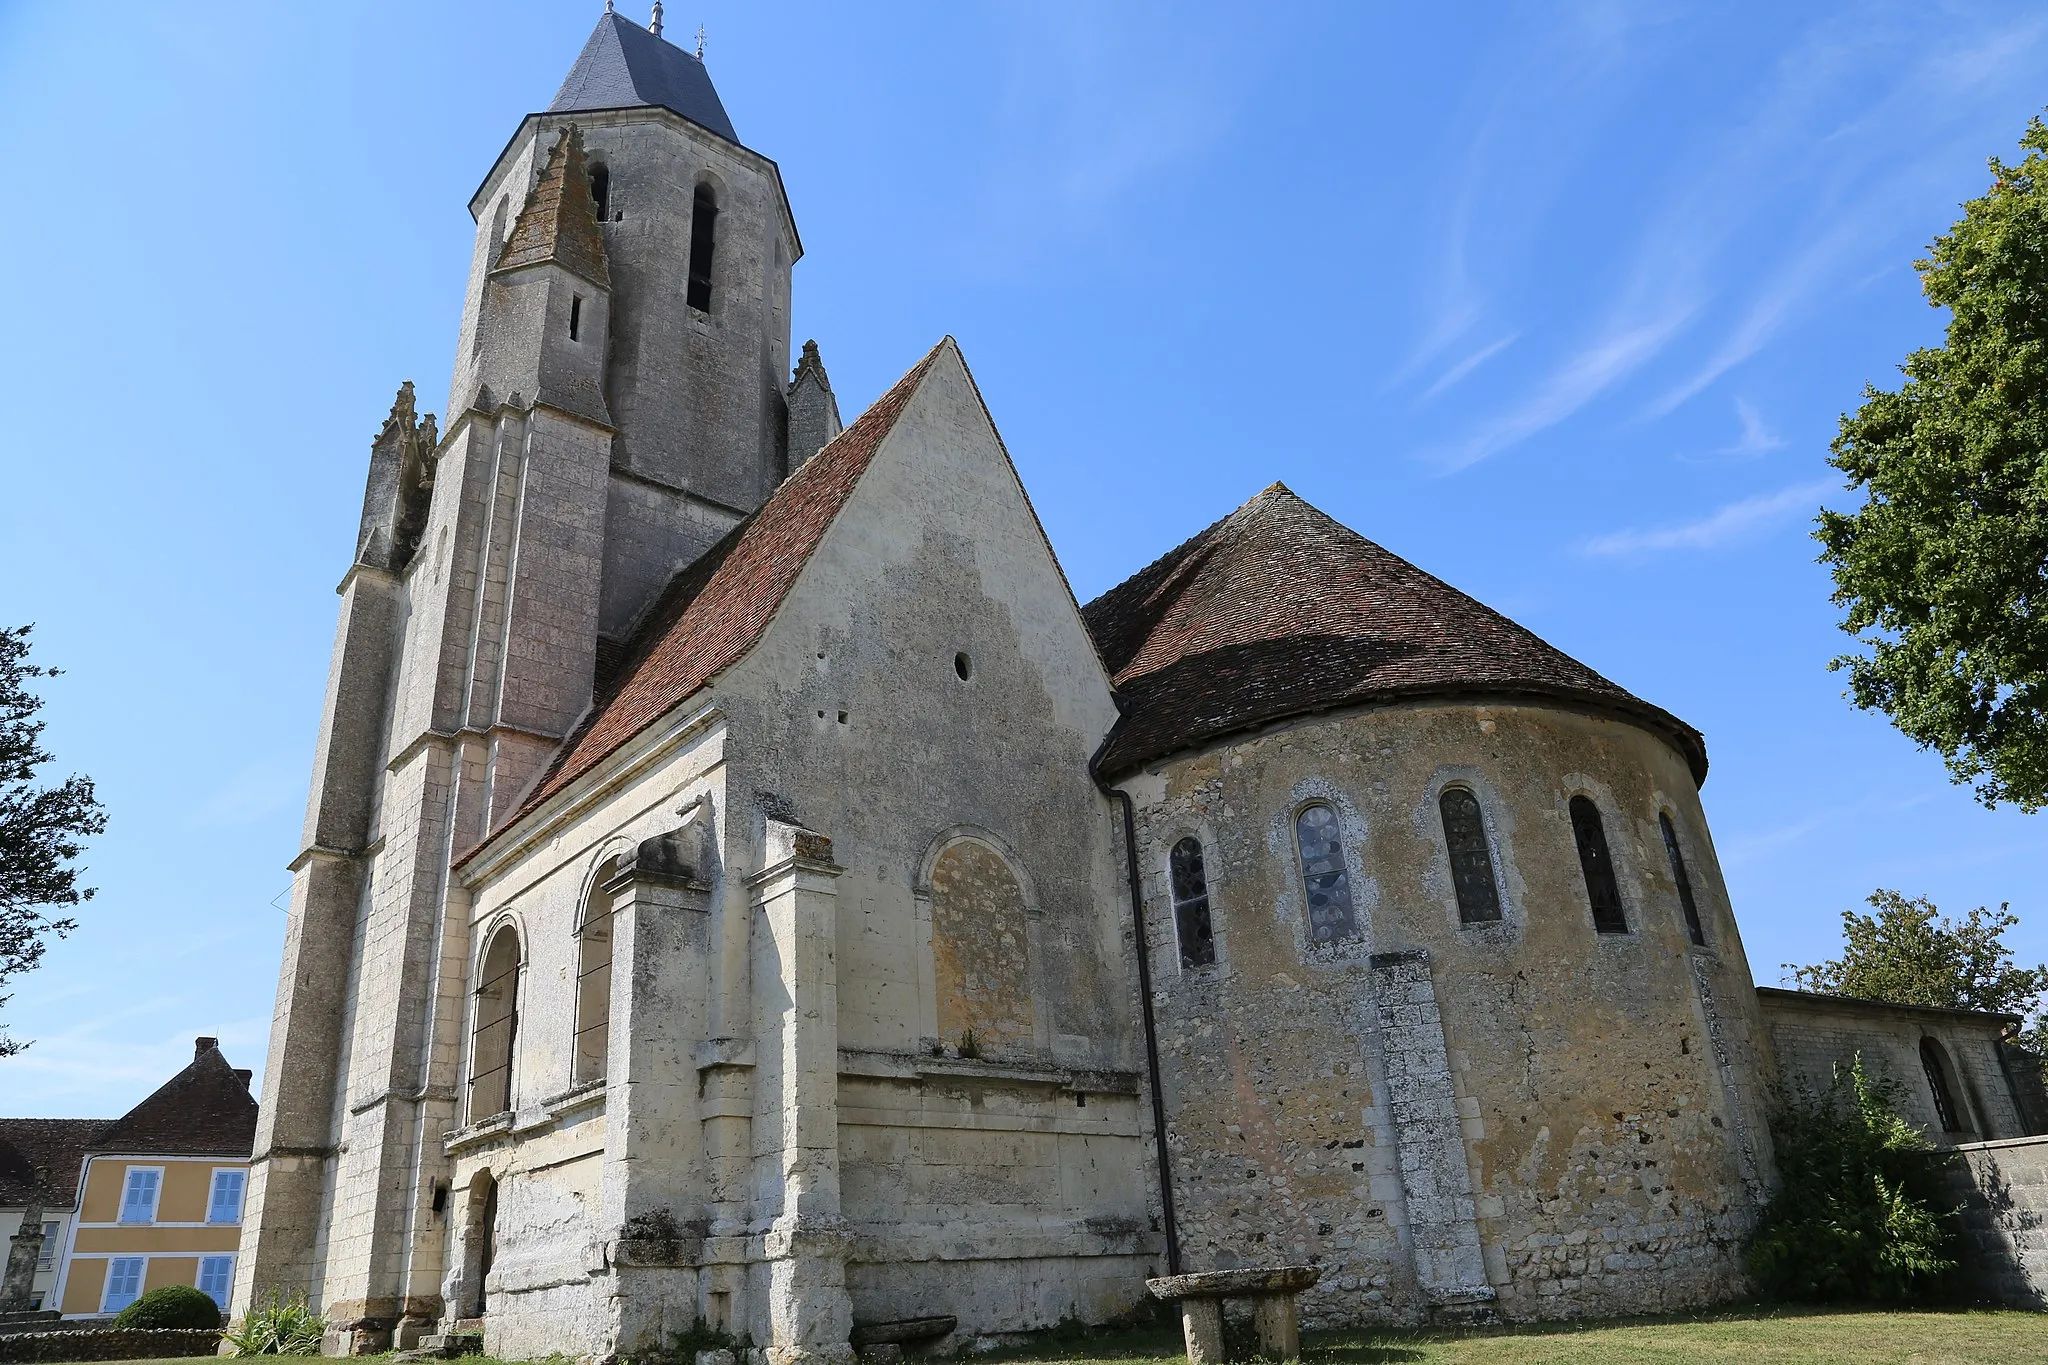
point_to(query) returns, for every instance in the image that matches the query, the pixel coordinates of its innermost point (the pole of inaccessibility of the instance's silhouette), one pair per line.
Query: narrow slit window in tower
(1191, 904)
(1324, 878)
(1598, 865)
(1471, 860)
(601, 191)
(575, 315)
(703, 227)
(1685, 900)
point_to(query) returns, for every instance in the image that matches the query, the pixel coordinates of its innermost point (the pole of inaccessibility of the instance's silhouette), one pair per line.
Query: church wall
(1001, 1178)
(1813, 1034)
(1605, 1154)
(558, 1157)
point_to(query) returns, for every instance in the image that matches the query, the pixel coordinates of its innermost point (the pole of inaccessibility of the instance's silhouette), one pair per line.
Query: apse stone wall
(1524, 1117)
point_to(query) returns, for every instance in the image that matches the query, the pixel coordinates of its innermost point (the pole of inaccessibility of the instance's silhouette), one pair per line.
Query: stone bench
(1273, 1290)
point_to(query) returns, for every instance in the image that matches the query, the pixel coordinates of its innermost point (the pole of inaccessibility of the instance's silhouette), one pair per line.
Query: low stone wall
(2003, 1188)
(109, 1343)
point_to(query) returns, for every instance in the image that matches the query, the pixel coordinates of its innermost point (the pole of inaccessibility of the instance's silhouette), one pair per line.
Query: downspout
(1144, 954)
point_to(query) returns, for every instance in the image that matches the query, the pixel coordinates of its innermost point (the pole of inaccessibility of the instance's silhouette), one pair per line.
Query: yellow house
(160, 1193)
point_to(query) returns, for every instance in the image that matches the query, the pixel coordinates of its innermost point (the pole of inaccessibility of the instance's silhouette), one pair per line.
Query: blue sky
(1561, 301)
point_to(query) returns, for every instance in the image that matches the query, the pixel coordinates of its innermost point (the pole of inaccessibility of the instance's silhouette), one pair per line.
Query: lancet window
(497, 1027)
(594, 982)
(1326, 882)
(1602, 890)
(1693, 927)
(1471, 859)
(703, 229)
(1191, 904)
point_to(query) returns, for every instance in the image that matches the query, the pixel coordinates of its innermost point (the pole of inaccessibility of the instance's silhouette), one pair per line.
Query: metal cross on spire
(654, 24)
(700, 42)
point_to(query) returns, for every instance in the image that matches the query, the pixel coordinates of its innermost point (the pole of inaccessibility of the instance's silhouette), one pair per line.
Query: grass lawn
(1780, 1337)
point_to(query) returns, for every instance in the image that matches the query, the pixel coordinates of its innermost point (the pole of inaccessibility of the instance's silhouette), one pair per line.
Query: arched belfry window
(1598, 864)
(1691, 907)
(594, 981)
(601, 191)
(497, 1027)
(1191, 904)
(1471, 859)
(1324, 879)
(1941, 1080)
(703, 231)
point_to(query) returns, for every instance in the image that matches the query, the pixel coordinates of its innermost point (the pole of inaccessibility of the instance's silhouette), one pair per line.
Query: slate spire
(624, 66)
(559, 221)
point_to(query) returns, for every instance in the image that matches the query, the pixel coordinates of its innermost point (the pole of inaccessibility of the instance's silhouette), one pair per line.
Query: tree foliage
(40, 826)
(1943, 572)
(1908, 953)
(1858, 1216)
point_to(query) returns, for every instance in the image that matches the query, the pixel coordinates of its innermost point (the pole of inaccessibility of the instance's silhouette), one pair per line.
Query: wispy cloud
(1757, 437)
(1736, 520)
(1581, 379)
(1449, 378)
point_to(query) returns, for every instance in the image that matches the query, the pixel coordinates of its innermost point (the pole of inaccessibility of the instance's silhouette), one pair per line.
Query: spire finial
(654, 24)
(700, 42)
(607, 6)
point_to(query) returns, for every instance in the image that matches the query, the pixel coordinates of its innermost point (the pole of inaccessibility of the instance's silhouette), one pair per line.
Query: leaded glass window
(1330, 915)
(1471, 859)
(1594, 860)
(1685, 900)
(1191, 904)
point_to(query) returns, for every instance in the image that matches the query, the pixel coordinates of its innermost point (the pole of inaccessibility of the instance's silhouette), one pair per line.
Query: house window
(124, 1283)
(225, 1203)
(1685, 900)
(1598, 865)
(1323, 876)
(594, 982)
(1934, 1060)
(703, 225)
(1471, 860)
(138, 1196)
(46, 1259)
(217, 1278)
(1191, 904)
(497, 1027)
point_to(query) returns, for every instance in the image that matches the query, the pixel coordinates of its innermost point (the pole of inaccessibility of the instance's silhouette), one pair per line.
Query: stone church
(743, 892)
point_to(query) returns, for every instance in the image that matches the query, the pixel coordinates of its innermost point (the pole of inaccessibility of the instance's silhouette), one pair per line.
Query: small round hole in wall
(963, 665)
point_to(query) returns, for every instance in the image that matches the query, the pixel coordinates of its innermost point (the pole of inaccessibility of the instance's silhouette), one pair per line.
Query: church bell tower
(618, 405)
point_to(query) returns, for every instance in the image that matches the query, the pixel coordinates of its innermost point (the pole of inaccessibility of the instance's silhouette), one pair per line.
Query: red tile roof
(1278, 610)
(54, 1146)
(204, 1110)
(716, 610)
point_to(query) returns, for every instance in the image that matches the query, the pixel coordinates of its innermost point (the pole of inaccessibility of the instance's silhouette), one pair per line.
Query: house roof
(623, 66)
(54, 1146)
(204, 1110)
(716, 610)
(558, 222)
(1279, 610)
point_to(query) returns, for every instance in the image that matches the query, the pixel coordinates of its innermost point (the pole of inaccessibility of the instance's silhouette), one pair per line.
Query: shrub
(1859, 1215)
(171, 1305)
(281, 1327)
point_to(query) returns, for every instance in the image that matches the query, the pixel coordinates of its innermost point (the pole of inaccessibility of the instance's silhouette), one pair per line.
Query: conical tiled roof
(623, 66)
(1279, 610)
(559, 220)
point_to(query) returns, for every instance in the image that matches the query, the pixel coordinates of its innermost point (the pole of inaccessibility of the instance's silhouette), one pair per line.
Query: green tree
(1943, 572)
(40, 826)
(1908, 953)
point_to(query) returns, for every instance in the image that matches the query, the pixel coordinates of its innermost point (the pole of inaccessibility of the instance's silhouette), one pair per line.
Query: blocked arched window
(1691, 907)
(703, 230)
(1602, 890)
(594, 981)
(1471, 859)
(981, 951)
(497, 1024)
(1191, 904)
(1941, 1080)
(1324, 879)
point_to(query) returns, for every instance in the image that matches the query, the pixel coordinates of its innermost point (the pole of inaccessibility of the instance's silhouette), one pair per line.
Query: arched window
(1323, 877)
(1598, 865)
(1941, 1080)
(1685, 900)
(1471, 860)
(594, 981)
(601, 190)
(1191, 904)
(497, 1021)
(703, 227)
